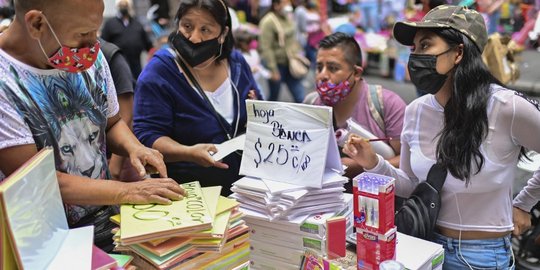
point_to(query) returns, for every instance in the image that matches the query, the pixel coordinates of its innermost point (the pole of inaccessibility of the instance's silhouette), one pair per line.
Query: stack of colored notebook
(204, 230)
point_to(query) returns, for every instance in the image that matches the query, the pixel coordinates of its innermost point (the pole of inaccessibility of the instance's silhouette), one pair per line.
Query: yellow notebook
(220, 213)
(141, 223)
(225, 204)
(211, 196)
(7, 259)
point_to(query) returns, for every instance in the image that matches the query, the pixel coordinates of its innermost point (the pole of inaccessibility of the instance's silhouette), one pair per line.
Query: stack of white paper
(283, 201)
(280, 244)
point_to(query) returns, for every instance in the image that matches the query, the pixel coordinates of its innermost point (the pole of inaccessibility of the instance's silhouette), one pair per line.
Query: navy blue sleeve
(152, 108)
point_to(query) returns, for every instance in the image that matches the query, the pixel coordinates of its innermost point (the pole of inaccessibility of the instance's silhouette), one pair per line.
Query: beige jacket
(272, 52)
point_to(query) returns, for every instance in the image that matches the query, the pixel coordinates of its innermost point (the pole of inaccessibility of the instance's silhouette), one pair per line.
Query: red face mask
(72, 59)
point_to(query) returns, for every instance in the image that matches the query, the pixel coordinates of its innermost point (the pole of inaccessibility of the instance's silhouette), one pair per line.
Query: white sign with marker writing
(289, 142)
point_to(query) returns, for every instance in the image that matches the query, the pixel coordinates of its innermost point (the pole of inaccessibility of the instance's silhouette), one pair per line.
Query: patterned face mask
(69, 59)
(331, 93)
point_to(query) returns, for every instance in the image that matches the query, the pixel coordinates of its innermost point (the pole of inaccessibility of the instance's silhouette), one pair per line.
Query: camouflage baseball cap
(467, 21)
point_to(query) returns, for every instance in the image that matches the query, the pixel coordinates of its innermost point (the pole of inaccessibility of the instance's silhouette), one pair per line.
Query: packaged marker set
(374, 219)
(374, 202)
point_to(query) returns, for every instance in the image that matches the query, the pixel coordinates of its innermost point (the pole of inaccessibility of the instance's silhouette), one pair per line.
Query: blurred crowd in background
(140, 27)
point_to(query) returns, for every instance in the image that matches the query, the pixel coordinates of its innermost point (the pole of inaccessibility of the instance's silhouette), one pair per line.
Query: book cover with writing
(141, 223)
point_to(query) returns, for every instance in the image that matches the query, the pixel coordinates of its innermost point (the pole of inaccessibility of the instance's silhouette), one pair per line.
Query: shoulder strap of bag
(376, 105)
(279, 28)
(436, 176)
(197, 86)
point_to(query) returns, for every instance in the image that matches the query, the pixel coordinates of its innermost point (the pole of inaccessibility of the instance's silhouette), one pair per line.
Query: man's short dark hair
(26, 5)
(351, 49)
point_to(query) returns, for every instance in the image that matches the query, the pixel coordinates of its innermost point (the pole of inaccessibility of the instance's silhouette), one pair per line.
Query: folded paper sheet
(290, 143)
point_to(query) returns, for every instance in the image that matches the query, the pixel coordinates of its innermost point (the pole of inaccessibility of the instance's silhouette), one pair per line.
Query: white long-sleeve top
(486, 204)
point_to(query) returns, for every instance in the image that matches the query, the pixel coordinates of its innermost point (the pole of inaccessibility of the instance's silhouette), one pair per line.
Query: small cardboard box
(373, 248)
(416, 253)
(374, 202)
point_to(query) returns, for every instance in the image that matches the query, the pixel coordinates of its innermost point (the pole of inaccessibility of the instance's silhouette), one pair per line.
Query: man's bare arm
(86, 191)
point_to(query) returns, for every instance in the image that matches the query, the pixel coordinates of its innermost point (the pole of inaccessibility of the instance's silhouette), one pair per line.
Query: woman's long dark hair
(220, 13)
(465, 113)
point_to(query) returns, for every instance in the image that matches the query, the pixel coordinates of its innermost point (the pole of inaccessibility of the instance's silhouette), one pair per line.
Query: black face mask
(124, 11)
(423, 72)
(195, 53)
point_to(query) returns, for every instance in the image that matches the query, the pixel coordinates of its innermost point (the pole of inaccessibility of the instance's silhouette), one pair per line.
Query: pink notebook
(101, 260)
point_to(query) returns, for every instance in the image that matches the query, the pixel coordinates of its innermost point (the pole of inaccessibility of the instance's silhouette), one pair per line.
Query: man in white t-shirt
(56, 91)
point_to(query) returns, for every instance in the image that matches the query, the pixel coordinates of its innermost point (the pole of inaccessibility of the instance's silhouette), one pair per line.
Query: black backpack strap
(436, 176)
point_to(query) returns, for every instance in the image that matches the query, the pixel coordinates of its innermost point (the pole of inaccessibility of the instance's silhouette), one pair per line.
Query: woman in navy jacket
(192, 96)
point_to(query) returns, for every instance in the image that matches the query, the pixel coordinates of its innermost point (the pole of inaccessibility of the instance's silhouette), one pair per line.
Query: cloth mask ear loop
(52, 31)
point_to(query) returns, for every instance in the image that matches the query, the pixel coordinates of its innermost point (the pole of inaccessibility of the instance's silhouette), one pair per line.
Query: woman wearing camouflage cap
(472, 125)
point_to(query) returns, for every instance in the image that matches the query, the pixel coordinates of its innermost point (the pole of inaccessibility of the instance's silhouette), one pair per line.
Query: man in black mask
(128, 34)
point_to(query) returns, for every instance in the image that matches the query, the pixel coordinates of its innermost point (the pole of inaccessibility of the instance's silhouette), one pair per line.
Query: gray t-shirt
(67, 111)
(120, 70)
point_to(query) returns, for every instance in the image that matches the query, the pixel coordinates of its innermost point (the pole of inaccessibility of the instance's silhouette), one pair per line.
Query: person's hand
(275, 76)
(200, 154)
(151, 190)
(360, 151)
(163, 21)
(353, 168)
(252, 95)
(147, 161)
(115, 167)
(522, 221)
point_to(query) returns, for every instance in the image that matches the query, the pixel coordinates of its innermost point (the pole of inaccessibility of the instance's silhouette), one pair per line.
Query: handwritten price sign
(281, 156)
(288, 142)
